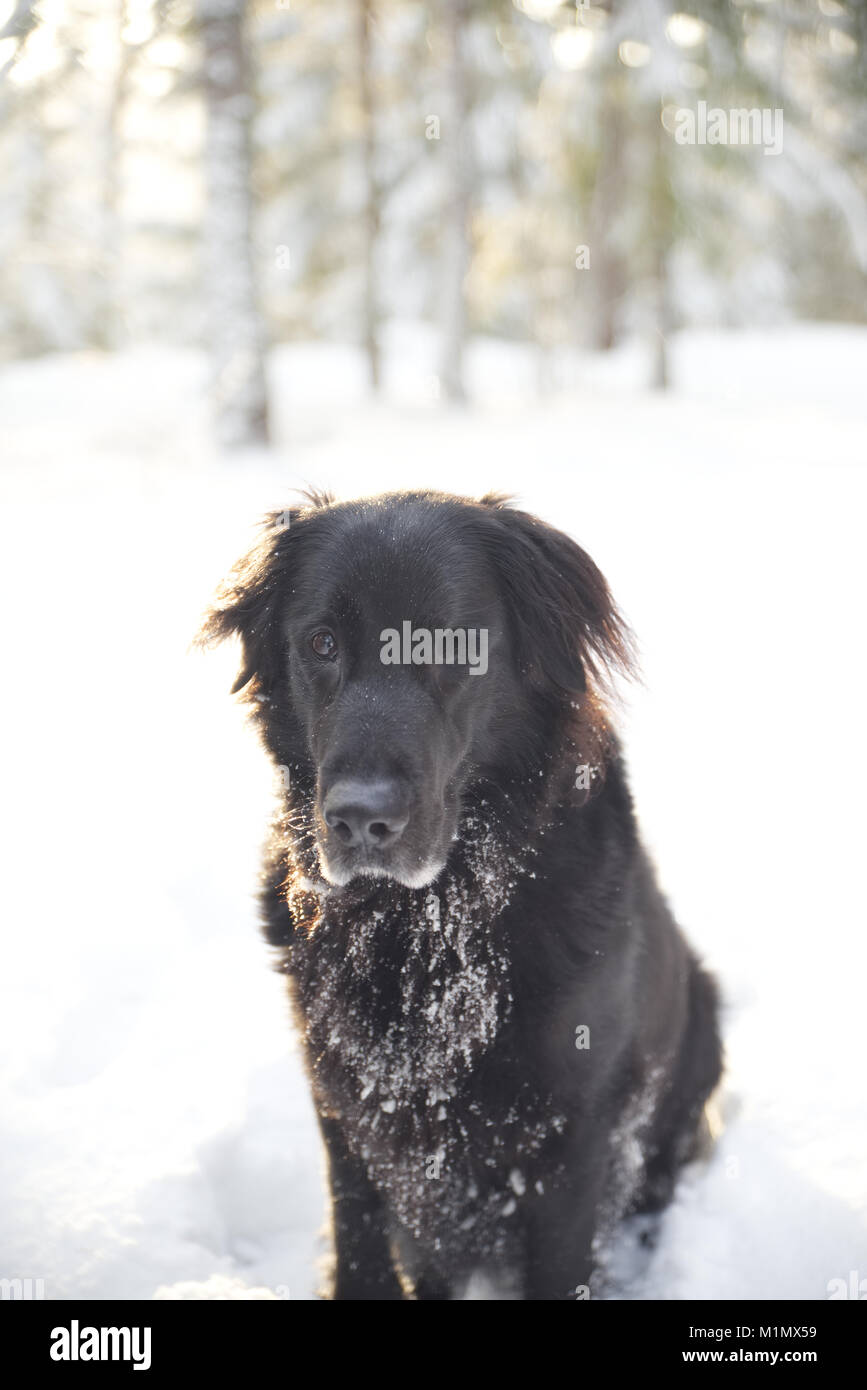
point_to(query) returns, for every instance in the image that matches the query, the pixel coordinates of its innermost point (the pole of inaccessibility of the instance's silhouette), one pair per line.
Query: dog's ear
(246, 603)
(568, 626)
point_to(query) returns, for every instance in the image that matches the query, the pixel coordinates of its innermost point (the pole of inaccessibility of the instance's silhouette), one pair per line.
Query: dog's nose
(372, 814)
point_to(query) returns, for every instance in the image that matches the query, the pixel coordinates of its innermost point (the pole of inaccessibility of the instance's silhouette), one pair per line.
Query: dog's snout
(372, 814)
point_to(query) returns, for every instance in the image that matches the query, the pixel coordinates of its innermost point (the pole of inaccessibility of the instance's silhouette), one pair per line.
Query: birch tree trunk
(662, 216)
(235, 334)
(108, 311)
(456, 236)
(372, 203)
(607, 275)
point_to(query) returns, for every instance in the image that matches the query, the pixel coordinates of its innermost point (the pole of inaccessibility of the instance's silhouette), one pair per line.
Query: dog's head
(410, 654)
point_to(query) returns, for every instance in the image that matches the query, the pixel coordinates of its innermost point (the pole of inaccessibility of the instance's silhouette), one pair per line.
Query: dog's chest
(396, 1015)
(451, 1159)
(404, 1027)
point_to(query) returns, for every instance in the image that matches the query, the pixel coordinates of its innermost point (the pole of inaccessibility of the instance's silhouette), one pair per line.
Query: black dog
(509, 1042)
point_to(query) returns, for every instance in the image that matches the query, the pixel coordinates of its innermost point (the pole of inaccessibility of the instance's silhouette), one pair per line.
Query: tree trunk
(660, 379)
(235, 334)
(607, 273)
(456, 244)
(662, 232)
(108, 313)
(372, 204)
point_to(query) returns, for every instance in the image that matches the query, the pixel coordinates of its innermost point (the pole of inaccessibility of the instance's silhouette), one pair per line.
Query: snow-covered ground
(155, 1131)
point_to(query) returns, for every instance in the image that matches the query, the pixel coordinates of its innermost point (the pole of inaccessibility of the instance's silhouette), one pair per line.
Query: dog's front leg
(562, 1223)
(363, 1265)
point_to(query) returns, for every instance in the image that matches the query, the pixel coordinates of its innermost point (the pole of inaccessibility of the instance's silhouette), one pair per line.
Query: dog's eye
(324, 643)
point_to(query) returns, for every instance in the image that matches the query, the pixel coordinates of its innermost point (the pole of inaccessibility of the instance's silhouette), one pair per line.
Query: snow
(156, 1136)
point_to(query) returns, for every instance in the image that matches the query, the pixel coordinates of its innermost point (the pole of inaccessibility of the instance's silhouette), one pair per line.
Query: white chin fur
(419, 878)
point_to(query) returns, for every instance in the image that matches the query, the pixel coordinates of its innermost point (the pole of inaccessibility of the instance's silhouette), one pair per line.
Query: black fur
(469, 1139)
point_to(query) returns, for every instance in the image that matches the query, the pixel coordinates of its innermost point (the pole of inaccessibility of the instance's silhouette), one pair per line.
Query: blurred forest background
(246, 174)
